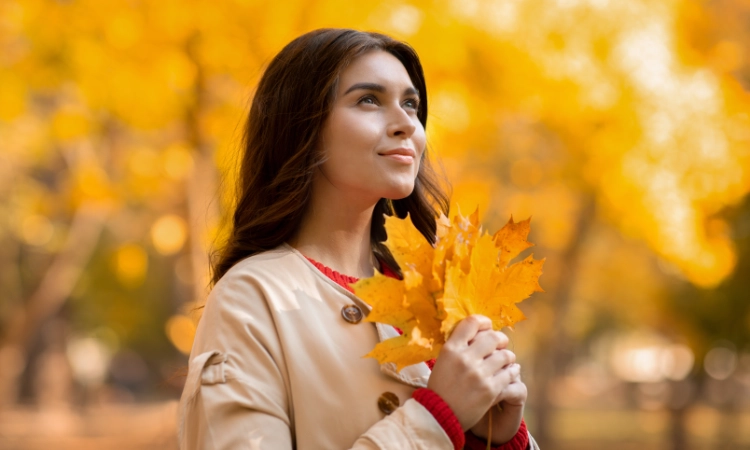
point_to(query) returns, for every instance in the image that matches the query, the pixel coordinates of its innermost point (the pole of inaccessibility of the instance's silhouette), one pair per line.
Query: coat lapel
(415, 375)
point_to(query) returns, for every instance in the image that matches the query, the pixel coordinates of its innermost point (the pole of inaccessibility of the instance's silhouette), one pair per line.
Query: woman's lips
(402, 155)
(401, 158)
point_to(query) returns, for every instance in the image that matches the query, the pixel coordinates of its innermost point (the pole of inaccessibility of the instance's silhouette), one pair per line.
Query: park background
(621, 127)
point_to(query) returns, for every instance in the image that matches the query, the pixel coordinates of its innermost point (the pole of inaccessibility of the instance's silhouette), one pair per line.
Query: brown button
(351, 313)
(388, 402)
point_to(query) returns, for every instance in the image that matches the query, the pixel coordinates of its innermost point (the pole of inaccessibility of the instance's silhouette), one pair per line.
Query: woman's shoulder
(272, 262)
(242, 303)
(274, 272)
(251, 281)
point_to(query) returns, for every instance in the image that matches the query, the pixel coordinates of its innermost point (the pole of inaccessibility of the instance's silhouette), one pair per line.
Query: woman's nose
(401, 123)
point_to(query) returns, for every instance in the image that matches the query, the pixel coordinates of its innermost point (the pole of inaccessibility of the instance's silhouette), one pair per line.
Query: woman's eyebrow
(378, 88)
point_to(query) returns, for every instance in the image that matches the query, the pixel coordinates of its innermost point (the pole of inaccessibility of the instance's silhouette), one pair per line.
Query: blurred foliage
(622, 127)
(722, 314)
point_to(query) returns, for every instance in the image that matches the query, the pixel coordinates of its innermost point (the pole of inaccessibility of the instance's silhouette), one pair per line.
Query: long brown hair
(292, 102)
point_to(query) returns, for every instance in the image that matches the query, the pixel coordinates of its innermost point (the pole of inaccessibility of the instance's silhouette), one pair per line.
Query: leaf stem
(489, 430)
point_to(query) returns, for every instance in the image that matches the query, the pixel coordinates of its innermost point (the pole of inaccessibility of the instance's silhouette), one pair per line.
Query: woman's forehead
(376, 68)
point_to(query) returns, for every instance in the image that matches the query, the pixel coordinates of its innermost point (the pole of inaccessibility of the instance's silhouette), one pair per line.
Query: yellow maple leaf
(454, 243)
(465, 273)
(413, 253)
(490, 287)
(407, 304)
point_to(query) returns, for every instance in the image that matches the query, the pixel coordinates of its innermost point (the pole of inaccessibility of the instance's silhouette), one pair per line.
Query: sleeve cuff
(443, 413)
(519, 442)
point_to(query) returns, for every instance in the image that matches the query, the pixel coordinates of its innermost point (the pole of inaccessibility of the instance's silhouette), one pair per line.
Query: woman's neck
(336, 232)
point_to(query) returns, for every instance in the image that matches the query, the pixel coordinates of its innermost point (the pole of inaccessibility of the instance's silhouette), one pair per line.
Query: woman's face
(372, 139)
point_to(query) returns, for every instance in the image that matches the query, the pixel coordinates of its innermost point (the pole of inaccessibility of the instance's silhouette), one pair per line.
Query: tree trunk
(553, 347)
(677, 435)
(54, 289)
(202, 193)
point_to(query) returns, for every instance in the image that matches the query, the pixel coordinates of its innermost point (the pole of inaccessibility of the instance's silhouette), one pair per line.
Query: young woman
(335, 139)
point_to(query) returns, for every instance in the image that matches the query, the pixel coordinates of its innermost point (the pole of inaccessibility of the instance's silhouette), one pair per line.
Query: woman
(335, 139)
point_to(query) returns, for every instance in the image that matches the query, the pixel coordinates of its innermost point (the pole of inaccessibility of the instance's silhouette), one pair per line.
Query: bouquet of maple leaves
(466, 272)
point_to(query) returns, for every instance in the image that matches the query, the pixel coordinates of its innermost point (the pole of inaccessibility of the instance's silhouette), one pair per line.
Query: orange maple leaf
(465, 273)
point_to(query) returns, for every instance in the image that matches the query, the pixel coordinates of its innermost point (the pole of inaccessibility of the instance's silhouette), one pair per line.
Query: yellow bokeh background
(621, 128)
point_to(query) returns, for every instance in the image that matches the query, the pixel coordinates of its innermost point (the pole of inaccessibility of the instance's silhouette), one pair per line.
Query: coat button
(388, 402)
(351, 313)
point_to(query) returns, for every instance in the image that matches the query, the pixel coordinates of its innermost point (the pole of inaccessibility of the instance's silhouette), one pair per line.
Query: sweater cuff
(519, 442)
(443, 414)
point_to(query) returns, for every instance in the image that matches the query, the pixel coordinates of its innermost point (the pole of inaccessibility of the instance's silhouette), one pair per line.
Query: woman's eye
(412, 103)
(369, 100)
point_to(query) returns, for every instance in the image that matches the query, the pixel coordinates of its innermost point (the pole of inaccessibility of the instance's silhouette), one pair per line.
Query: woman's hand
(474, 370)
(507, 419)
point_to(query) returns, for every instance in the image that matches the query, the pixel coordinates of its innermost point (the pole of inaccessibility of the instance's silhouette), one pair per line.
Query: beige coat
(275, 366)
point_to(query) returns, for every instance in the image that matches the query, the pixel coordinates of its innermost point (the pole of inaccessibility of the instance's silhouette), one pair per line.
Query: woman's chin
(400, 194)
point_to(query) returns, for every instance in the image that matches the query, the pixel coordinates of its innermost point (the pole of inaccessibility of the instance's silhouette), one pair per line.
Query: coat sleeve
(237, 392)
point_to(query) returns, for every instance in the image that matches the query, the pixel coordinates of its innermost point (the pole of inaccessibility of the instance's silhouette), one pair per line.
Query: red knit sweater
(428, 398)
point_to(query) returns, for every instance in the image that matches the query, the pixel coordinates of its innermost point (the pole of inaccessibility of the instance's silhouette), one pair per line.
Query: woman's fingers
(467, 329)
(514, 393)
(505, 377)
(486, 342)
(473, 369)
(498, 360)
